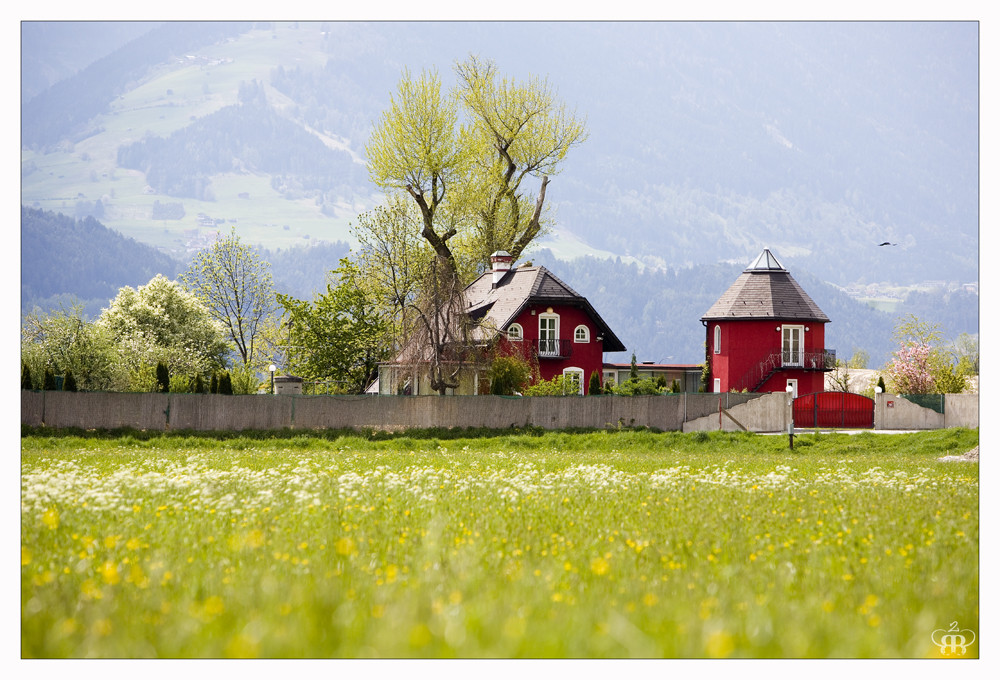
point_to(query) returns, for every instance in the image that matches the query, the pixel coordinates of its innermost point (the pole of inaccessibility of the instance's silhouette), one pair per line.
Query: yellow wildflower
(599, 566)
(109, 572)
(50, 518)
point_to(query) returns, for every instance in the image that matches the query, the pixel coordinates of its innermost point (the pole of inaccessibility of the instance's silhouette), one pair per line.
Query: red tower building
(765, 334)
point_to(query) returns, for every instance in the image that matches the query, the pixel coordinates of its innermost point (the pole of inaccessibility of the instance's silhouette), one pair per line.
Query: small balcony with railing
(553, 348)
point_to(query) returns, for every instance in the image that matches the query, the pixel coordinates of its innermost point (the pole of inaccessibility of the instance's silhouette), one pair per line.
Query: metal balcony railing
(547, 348)
(811, 360)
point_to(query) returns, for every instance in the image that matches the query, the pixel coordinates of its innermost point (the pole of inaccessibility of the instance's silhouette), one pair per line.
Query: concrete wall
(769, 412)
(262, 412)
(141, 411)
(893, 412)
(961, 410)
(687, 412)
(32, 408)
(228, 412)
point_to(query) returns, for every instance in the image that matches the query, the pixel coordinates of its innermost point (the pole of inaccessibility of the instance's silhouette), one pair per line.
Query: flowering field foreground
(610, 545)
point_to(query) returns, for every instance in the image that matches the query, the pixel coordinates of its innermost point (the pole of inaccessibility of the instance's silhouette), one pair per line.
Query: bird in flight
(886, 243)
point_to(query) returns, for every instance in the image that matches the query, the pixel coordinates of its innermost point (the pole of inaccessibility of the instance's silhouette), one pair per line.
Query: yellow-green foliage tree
(469, 159)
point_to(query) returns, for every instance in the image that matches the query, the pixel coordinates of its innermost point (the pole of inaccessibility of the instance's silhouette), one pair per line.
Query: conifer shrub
(162, 377)
(69, 382)
(49, 381)
(594, 388)
(225, 383)
(26, 377)
(213, 385)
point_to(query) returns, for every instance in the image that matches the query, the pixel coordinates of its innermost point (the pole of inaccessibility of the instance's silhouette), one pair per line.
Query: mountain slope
(62, 257)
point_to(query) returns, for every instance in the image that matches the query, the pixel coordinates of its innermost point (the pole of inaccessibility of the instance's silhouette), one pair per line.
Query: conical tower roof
(764, 290)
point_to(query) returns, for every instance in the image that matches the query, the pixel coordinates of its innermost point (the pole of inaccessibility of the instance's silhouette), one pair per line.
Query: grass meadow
(581, 545)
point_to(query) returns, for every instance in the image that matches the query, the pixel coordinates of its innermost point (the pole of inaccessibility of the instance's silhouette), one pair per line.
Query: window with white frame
(548, 334)
(581, 334)
(515, 333)
(717, 345)
(573, 380)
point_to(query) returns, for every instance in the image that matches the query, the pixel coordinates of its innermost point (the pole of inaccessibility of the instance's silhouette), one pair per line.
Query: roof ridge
(544, 272)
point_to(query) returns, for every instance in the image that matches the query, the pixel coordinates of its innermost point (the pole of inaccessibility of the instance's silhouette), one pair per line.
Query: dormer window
(581, 334)
(515, 333)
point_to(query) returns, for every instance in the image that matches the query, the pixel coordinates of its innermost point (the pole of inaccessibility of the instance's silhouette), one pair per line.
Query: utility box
(287, 384)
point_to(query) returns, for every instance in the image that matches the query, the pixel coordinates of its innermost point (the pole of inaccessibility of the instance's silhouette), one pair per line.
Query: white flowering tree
(63, 341)
(161, 321)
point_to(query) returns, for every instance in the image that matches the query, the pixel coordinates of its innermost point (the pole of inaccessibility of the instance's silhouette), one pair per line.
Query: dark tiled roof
(497, 307)
(765, 290)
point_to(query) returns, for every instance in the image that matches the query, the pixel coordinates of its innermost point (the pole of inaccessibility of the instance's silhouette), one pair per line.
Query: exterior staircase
(756, 377)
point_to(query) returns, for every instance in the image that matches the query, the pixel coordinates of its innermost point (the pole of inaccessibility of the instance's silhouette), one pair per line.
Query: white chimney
(501, 260)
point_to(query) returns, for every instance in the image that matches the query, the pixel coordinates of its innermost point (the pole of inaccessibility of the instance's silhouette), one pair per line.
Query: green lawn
(602, 544)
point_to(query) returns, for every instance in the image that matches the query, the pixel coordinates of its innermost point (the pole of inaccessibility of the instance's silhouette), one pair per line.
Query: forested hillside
(248, 137)
(55, 50)
(64, 258)
(302, 272)
(708, 141)
(66, 109)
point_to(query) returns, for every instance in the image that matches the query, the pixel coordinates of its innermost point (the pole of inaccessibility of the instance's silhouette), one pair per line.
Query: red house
(523, 311)
(765, 334)
(538, 315)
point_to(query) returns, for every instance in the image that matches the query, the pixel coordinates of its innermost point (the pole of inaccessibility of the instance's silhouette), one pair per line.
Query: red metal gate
(833, 409)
